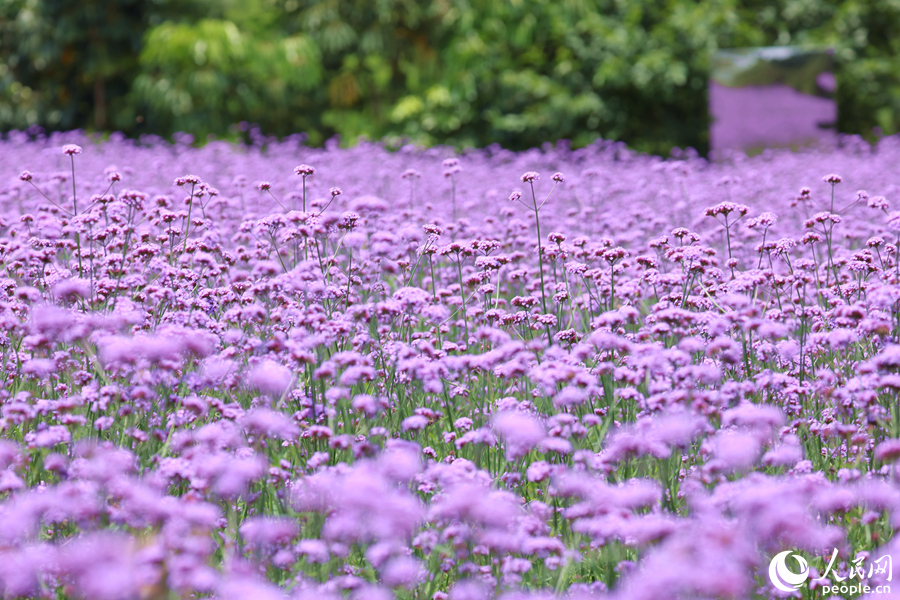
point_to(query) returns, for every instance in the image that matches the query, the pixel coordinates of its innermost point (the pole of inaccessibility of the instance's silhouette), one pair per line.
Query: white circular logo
(782, 577)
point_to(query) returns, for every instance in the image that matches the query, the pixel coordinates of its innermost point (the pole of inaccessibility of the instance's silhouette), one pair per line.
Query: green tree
(463, 72)
(71, 63)
(203, 77)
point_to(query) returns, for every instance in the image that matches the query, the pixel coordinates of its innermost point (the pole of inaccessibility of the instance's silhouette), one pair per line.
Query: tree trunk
(99, 103)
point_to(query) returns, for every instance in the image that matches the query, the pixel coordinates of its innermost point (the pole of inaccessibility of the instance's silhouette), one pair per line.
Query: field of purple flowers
(278, 371)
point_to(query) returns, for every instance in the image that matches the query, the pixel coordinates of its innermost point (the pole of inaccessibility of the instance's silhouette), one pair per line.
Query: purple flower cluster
(374, 378)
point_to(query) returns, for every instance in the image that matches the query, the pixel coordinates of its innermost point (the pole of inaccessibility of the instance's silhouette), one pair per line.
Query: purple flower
(726, 208)
(519, 431)
(71, 149)
(888, 450)
(188, 179)
(269, 532)
(400, 460)
(313, 551)
(264, 423)
(49, 437)
(41, 368)
(271, 378)
(469, 590)
(763, 220)
(655, 436)
(365, 404)
(414, 423)
(10, 454)
(876, 202)
(368, 204)
(786, 454)
(9, 482)
(106, 566)
(361, 503)
(240, 587)
(538, 471)
(733, 451)
(230, 476)
(753, 416)
(71, 289)
(402, 571)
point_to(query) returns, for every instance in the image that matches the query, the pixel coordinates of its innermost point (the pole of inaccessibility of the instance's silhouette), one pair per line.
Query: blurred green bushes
(463, 72)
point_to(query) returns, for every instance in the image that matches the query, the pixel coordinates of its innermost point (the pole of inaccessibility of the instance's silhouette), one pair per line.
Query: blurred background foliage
(460, 72)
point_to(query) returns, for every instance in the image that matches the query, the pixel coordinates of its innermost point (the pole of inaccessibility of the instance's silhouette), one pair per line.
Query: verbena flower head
(187, 180)
(433, 229)
(446, 395)
(268, 532)
(726, 208)
(271, 378)
(71, 149)
(304, 170)
(888, 451)
(832, 178)
(879, 203)
(403, 571)
(764, 221)
(270, 424)
(520, 432)
(530, 176)
(893, 221)
(348, 220)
